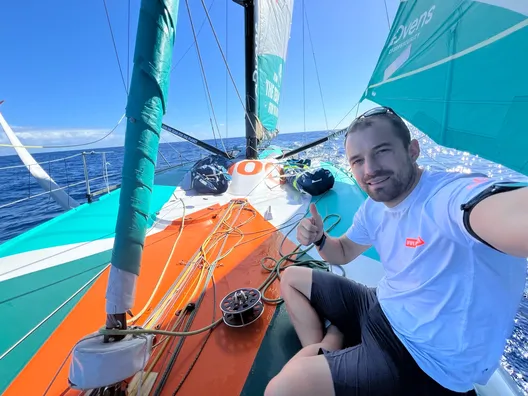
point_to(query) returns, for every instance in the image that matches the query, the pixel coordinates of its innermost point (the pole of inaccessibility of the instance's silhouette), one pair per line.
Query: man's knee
(298, 278)
(273, 388)
(304, 376)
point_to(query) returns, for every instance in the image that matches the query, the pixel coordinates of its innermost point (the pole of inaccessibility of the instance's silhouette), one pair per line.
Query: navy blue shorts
(373, 361)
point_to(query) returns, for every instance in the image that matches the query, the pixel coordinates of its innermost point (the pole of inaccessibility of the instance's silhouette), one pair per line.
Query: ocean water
(104, 170)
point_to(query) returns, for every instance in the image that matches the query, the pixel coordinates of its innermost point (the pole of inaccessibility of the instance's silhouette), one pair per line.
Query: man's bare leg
(304, 376)
(332, 341)
(296, 287)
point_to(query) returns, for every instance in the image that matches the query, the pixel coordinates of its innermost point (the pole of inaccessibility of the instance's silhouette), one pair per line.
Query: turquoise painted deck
(88, 222)
(27, 300)
(278, 346)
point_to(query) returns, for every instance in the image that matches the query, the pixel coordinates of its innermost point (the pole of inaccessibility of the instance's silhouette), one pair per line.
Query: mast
(251, 77)
(146, 106)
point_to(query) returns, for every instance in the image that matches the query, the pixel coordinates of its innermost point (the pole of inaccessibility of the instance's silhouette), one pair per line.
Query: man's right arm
(334, 250)
(341, 250)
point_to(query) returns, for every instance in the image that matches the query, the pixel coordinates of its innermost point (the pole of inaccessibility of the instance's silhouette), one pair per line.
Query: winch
(242, 307)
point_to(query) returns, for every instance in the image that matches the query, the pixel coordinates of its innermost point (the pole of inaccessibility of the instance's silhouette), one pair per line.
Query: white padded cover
(120, 291)
(95, 364)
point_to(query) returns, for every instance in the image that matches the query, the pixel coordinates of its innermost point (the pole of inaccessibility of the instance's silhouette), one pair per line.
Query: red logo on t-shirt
(477, 181)
(414, 242)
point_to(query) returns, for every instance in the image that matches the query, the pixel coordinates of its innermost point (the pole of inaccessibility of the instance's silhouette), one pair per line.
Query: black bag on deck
(209, 179)
(317, 182)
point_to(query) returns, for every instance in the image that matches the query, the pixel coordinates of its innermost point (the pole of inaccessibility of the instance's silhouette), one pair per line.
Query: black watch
(321, 241)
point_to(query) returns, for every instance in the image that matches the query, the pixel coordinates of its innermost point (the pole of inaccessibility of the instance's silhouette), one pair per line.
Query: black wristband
(467, 207)
(321, 241)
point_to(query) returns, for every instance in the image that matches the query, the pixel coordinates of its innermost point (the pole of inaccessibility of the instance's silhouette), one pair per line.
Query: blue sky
(61, 83)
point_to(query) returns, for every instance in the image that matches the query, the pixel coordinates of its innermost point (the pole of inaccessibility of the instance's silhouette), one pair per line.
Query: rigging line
(226, 76)
(128, 47)
(64, 362)
(202, 347)
(191, 319)
(316, 68)
(212, 125)
(167, 303)
(182, 157)
(181, 281)
(115, 47)
(147, 304)
(176, 286)
(214, 239)
(193, 43)
(43, 162)
(162, 156)
(173, 356)
(53, 283)
(346, 115)
(201, 257)
(54, 312)
(303, 73)
(163, 343)
(68, 145)
(203, 71)
(274, 274)
(387, 13)
(50, 191)
(227, 66)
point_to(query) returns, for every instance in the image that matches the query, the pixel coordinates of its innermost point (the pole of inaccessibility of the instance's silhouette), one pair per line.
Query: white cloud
(33, 136)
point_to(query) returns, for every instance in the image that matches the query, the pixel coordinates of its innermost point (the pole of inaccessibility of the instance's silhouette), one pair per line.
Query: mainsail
(273, 22)
(456, 69)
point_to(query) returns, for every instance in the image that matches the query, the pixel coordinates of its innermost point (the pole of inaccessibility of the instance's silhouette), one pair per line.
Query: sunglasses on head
(376, 111)
(372, 112)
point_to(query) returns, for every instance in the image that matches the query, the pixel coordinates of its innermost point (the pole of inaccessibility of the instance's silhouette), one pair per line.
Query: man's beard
(396, 185)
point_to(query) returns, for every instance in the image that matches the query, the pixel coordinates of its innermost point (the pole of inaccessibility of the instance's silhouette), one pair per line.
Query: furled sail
(456, 69)
(146, 105)
(273, 22)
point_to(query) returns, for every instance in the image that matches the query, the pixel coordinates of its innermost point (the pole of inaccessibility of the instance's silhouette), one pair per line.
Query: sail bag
(305, 180)
(209, 176)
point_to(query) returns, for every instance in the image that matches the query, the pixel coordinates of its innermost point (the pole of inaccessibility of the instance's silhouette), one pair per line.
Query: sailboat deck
(43, 268)
(245, 358)
(52, 285)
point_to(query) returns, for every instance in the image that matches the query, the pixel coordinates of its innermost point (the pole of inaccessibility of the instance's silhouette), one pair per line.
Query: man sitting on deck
(453, 250)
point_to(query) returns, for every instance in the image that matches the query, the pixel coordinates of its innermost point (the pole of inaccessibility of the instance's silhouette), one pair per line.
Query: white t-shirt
(450, 299)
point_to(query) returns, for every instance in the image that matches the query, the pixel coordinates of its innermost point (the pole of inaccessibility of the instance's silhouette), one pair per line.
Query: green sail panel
(457, 70)
(273, 22)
